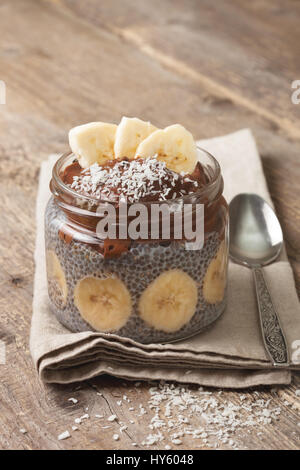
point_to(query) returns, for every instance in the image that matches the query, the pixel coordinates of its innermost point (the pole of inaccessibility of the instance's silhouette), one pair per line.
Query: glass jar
(122, 286)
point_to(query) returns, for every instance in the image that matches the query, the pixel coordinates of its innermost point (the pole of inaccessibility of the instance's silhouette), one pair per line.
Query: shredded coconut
(64, 435)
(79, 420)
(112, 418)
(73, 400)
(134, 180)
(175, 414)
(175, 407)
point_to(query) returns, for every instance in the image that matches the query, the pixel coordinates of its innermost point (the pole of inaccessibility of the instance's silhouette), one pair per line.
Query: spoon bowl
(255, 234)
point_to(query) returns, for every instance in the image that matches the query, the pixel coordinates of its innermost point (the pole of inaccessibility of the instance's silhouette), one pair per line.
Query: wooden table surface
(215, 67)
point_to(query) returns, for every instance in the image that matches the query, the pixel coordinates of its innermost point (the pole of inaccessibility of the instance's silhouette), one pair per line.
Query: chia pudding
(149, 290)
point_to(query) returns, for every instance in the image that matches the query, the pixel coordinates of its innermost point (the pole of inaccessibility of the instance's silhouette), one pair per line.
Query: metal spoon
(256, 240)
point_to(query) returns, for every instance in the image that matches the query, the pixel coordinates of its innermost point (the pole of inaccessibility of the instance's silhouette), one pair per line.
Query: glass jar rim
(215, 180)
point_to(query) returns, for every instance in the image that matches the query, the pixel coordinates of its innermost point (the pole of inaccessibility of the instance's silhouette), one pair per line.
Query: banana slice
(105, 304)
(169, 302)
(93, 142)
(56, 277)
(215, 278)
(174, 145)
(130, 133)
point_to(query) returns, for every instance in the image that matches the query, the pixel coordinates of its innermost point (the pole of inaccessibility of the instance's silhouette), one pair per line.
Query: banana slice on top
(130, 133)
(215, 278)
(105, 304)
(173, 145)
(93, 143)
(169, 302)
(56, 277)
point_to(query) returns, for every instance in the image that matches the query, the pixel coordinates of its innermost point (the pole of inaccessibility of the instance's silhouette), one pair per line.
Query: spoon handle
(273, 336)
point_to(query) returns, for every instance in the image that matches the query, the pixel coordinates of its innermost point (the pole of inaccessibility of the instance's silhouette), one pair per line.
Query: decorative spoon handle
(273, 336)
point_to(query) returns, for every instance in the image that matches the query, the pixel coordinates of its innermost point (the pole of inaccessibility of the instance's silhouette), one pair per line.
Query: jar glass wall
(128, 277)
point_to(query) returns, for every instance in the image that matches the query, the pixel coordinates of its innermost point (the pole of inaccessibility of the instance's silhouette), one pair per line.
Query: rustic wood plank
(65, 66)
(249, 62)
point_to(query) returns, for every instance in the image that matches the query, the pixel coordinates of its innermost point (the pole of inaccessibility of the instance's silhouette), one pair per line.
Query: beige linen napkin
(229, 354)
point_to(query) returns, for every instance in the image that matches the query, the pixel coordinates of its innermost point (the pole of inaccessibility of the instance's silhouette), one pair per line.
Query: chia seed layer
(137, 268)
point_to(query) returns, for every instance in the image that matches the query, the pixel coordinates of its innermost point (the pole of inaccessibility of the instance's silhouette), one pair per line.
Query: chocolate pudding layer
(140, 180)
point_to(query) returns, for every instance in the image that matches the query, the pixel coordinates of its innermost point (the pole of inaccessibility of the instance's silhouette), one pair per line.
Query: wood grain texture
(213, 68)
